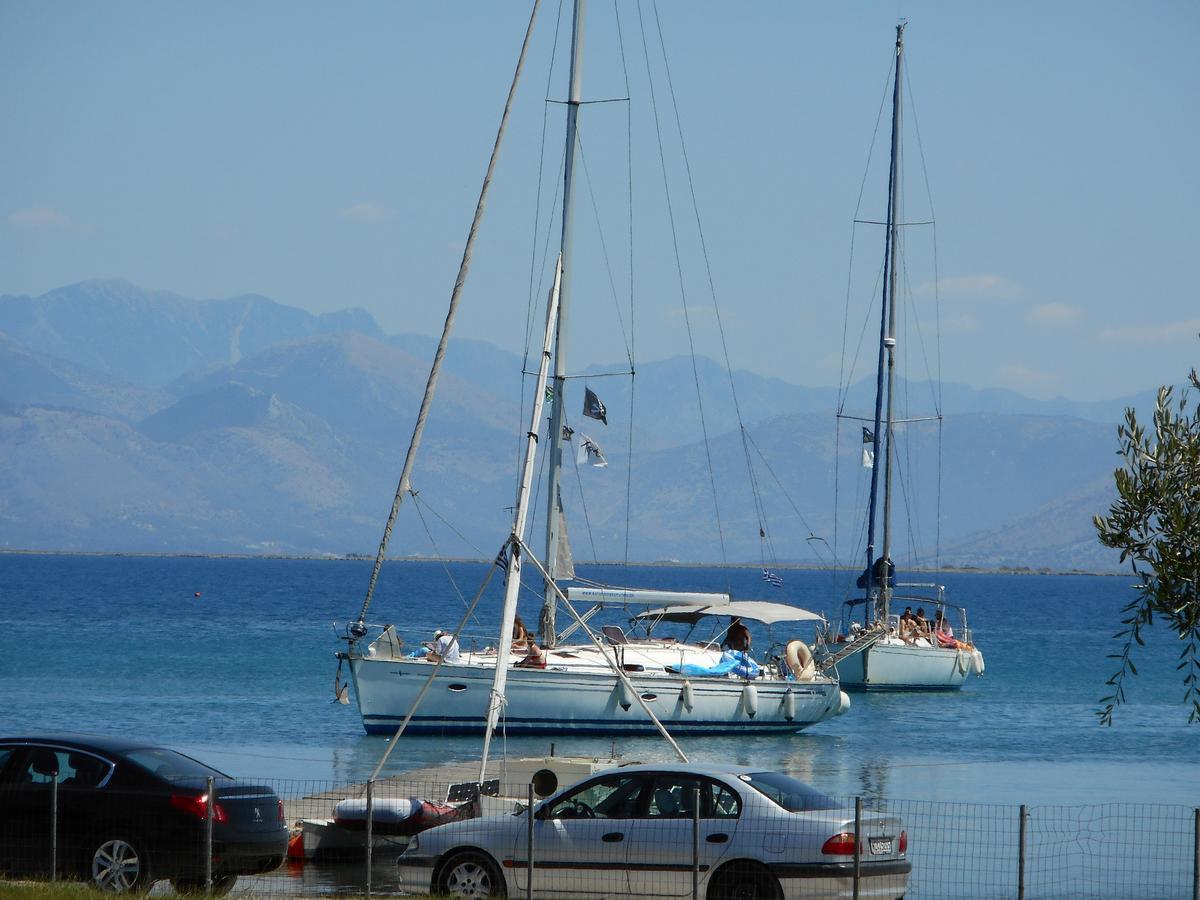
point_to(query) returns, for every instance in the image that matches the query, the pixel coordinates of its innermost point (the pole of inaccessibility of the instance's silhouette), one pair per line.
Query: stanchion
(1021, 853)
(696, 843)
(1196, 855)
(209, 803)
(370, 830)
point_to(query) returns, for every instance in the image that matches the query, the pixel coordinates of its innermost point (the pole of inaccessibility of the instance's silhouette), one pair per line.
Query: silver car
(632, 831)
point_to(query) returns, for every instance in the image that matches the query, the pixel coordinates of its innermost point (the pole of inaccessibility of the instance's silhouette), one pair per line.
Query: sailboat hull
(545, 701)
(893, 665)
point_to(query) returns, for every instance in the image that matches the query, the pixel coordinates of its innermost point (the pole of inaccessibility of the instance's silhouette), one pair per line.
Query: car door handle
(717, 838)
(613, 837)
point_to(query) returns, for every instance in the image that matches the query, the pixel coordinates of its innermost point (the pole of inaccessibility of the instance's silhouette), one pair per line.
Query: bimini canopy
(642, 597)
(756, 610)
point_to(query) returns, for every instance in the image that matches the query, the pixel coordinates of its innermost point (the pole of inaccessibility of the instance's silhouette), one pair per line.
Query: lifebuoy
(800, 660)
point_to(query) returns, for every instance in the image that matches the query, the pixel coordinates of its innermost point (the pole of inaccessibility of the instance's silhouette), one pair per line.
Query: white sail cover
(644, 597)
(564, 563)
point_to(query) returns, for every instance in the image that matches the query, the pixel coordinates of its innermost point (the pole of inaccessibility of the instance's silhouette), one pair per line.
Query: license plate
(881, 845)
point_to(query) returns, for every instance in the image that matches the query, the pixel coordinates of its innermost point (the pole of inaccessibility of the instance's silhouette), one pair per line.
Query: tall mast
(546, 625)
(887, 358)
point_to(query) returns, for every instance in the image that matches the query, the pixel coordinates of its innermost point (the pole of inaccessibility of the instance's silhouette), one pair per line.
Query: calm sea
(232, 660)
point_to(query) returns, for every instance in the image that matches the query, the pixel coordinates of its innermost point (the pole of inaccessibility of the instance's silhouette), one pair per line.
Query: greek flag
(772, 578)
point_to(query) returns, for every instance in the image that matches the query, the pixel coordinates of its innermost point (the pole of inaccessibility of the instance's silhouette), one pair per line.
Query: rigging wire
(587, 521)
(679, 272)
(417, 503)
(783, 490)
(760, 510)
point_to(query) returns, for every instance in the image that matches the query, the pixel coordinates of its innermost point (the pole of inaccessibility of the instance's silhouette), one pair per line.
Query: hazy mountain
(153, 337)
(270, 429)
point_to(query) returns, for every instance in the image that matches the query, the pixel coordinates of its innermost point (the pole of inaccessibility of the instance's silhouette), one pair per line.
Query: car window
(791, 794)
(171, 765)
(42, 766)
(674, 795)
(85, 770)
(614, 797)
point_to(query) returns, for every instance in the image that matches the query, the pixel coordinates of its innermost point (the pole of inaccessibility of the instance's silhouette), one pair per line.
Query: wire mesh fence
(624, 832)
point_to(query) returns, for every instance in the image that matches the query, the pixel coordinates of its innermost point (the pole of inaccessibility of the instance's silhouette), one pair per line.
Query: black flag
(592, 407)
(568, 432)
(868, 435)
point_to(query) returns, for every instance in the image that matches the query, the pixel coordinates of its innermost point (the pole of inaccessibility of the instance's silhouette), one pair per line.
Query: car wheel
(470, 874)
(744, 881)
(220, 886)
(119, 865)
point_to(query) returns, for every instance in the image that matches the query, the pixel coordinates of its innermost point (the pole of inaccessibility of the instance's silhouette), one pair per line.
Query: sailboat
(874, 648)
(607, 681)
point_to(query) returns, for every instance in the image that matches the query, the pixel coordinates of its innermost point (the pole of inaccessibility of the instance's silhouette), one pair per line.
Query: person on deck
(922, 623)
(738, 636)
(444, 647)
(942, 630)
(908, 626)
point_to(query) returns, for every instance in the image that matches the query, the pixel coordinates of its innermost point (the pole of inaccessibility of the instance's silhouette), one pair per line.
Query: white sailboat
(875, 648)
(612, 683)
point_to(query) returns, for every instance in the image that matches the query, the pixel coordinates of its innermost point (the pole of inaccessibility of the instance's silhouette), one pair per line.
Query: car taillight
(839, 845)
(903, 841)
(198, 806)
(282, 820)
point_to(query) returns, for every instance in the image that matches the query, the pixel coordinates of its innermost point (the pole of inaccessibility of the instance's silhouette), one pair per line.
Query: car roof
(701, 768)
(103, 743)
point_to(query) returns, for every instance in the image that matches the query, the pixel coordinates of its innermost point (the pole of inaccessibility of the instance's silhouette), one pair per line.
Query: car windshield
(171, 765)
(792, 795)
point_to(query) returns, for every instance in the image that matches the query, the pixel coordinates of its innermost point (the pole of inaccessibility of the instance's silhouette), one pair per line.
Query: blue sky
(329, 155)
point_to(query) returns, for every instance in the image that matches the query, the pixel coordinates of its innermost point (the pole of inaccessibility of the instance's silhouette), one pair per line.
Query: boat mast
(546, 625)
(887, 363)
(512, 577)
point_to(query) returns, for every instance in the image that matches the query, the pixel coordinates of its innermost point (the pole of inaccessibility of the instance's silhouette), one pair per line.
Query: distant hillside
(133, 420)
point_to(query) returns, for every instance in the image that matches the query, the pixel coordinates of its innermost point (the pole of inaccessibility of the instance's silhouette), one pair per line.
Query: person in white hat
(444, 647)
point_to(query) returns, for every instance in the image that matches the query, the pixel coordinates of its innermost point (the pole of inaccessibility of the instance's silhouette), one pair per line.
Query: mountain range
(138, 421)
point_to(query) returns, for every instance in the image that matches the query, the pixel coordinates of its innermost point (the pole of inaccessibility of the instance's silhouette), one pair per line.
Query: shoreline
(652, 564)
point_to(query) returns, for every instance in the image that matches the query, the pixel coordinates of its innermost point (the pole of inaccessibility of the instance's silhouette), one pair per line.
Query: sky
(329, 156)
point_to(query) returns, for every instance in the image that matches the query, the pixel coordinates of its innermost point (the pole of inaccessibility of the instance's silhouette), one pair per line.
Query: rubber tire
(220, 886)
(744, 881)
(469, 874)
(124, 851)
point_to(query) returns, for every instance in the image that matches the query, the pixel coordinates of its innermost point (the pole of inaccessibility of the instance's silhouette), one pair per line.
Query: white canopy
(641, 597)
(756, 610)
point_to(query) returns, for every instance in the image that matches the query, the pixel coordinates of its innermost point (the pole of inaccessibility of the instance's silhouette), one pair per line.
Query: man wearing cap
(444, 647)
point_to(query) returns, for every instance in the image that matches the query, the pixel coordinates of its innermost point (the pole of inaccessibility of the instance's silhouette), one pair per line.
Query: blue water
(242, 676)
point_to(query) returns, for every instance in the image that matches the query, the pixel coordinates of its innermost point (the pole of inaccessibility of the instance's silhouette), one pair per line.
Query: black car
(129, 814)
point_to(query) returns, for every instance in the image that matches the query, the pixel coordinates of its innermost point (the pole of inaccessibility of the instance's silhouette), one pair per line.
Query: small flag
(568, 432)
(549, 394)
(590, 453)
(772, 578)
(868, 458)
(868, 435)
(593, 408)
(502, 557)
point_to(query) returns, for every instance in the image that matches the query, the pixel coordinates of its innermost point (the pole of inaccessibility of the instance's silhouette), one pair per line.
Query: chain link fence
(690, 838)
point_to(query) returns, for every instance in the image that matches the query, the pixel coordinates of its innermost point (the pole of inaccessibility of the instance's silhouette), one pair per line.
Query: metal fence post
(210, 802)
(529, 840)
(857, 844)
(370, 830)
(696, 843)
(1021, 853)
(54, 828)
(1196, 855)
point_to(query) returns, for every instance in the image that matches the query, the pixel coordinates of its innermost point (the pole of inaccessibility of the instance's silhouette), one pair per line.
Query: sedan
(637, 831)
(128, 814)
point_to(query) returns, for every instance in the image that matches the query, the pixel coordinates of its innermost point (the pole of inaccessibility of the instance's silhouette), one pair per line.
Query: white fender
(750, 699)
(977, 660)
(687, 695)
(624, 695)
(843, 702)
(962, 661)
(800, 660)
(789, 705)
